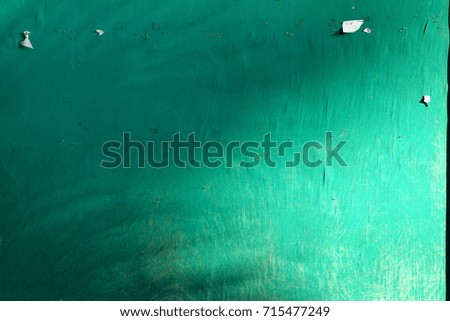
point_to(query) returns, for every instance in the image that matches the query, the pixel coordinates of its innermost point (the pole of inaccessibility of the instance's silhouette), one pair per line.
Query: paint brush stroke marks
(228, 71)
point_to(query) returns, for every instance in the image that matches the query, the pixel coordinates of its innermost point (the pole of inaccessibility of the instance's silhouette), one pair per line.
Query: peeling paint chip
(425, 100)
(351, 26)
(26, 42)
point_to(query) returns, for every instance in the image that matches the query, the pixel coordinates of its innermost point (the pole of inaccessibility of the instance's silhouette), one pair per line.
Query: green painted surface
(374, 230)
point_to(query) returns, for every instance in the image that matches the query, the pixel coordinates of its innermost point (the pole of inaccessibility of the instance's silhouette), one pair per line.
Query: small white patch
(99, 32)
(425, 100)
(26, 42)
(351, 26)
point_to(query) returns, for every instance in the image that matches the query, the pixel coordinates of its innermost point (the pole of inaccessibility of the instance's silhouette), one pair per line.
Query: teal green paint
(372, 231)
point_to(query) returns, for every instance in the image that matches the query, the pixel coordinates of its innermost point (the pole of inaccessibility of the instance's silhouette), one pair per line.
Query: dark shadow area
(19, 45)
(422, 101)
(339, 32)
